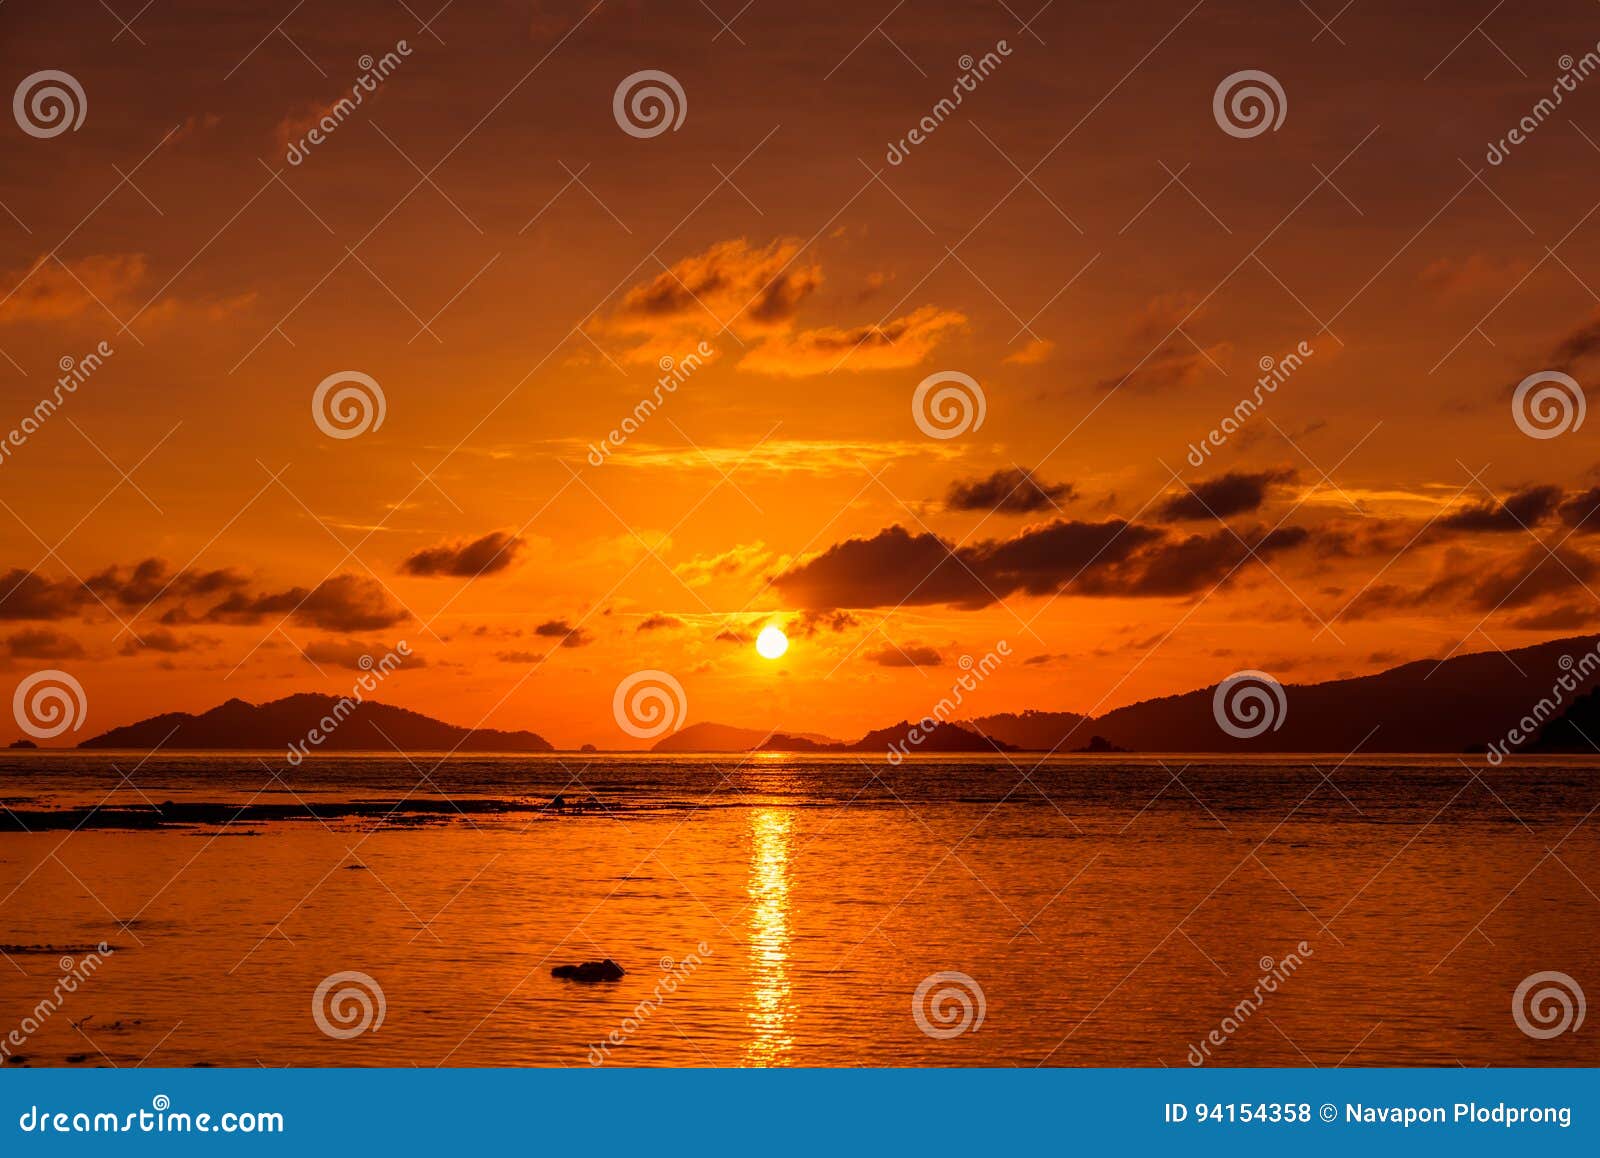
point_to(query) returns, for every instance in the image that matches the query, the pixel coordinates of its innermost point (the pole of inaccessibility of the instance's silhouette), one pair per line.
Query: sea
(227, 909)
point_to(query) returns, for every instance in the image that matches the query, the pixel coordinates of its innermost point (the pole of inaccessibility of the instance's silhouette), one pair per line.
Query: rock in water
(590, 971)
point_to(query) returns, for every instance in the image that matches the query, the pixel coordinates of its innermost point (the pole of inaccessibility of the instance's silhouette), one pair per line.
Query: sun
(771, 643)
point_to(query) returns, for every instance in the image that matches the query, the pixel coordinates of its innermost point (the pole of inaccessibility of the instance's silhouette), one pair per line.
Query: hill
(709, 737)
(281, 723)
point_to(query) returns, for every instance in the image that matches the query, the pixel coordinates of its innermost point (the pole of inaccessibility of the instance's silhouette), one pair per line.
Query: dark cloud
(464, 560)
(42, 643)
(1531, 576)
(1014, 492)
(1519, 511)
(769, 280)
(808, 624)
(658, 622)
(342, 604)
(29, 595)
(910, 655)
(1114, 557)
(26, 595)
(1582, 510)
(168, 642)
(519, 656)
(1171, 367)
(1577, 345)
(1233, 493)
(568, 635)
(1485, 586)
(1579, 618)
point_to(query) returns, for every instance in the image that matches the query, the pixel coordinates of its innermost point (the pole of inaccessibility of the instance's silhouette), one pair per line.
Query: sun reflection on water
(769, 1013)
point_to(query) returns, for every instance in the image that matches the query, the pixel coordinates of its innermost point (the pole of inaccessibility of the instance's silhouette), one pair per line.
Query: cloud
(1035, 352)
(1013, 491)
(167, 642)
(1173, 367)
(1506, 583)
(1476, 273)
(808, 624)
(51, 290)
(1161, 354)
(351, 653)
(29, 595)
(783, 456)
(911, 655)
(723, 279)
(1111, 558)
(1578, 345)
(757, 292)
(1565, 618)
(895, 345)
(1582, 510)
(1530, 576)
(1520, 511)
(742, 559)
(343, 603)
(350, 603)
(754, 290)
(659, 622)
(568, 635)
(26, 595)
(465, 560)
(42, 643)
(1233, 493)
(519, 656)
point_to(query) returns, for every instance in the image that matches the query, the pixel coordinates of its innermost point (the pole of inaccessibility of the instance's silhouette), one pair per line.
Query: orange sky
(1079, 236)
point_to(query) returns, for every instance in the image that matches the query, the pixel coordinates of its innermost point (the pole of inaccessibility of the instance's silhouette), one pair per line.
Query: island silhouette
(1543, 697)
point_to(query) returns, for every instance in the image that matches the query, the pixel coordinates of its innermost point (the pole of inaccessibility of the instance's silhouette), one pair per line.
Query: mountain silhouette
(1035, 730)
(709, 737)
(1575, 730)
(1461, 704)
(370, 726)
(905, 738)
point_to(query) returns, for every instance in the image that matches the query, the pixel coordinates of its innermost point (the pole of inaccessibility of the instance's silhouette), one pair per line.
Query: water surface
(776, 910)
